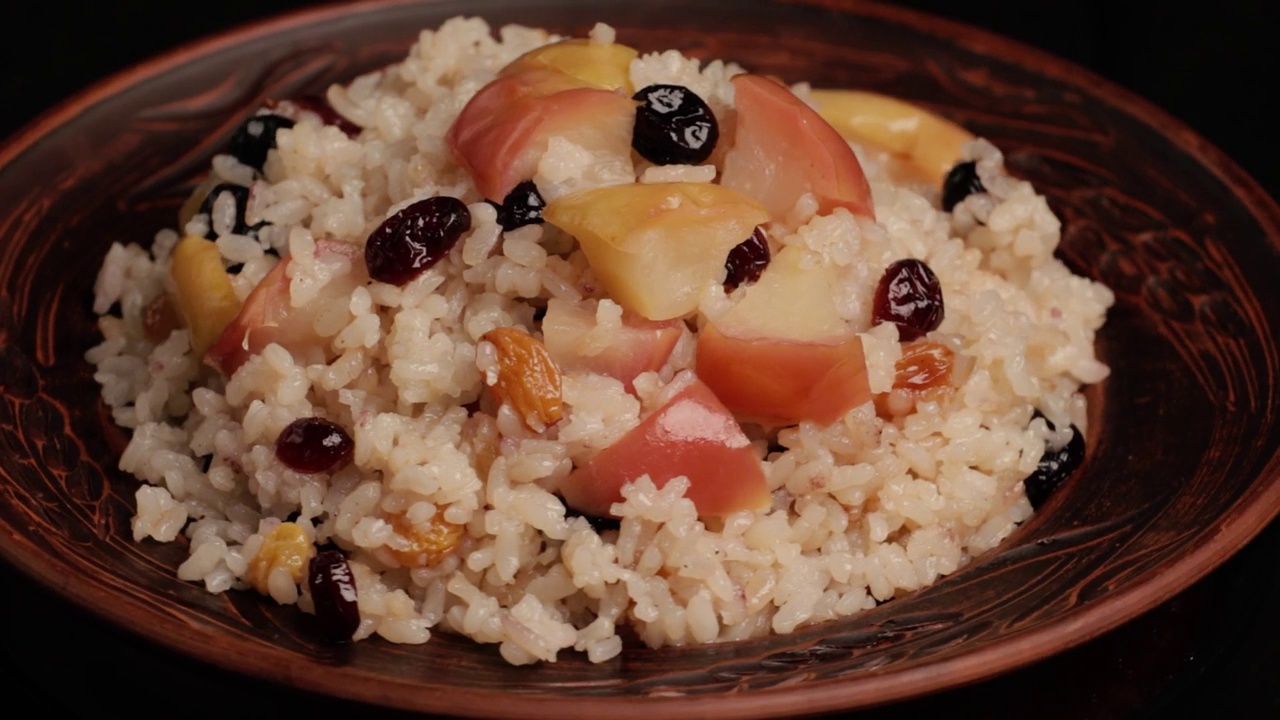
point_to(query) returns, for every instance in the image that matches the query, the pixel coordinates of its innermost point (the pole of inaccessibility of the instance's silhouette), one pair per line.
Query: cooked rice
(864, 510)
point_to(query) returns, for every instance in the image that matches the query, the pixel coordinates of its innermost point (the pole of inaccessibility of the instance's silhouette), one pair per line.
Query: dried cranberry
(255, 137)
(409, 242)
(746, 261)
(673, 126)
(909, 296)
(314, 445)
(333, 594)
(522, 206)
(961, 182)
(1054, 466)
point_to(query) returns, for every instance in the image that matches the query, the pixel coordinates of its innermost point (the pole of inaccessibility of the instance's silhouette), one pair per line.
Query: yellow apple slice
(599, 64)
(654, 248)
(205, 297)
(927, 144)
(783, 354)
(782, 149)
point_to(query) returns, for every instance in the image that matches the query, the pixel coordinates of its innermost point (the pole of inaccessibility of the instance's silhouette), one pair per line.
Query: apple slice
(783, 354)
(924, 145)
(569, 331)
(783, 149)
(604, 65)
(655, 248)
(505, 129)
(691, 435)
(268, 315)
(203, 292)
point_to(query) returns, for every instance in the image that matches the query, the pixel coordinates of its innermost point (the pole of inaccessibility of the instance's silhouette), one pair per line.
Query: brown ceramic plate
(1182, 469)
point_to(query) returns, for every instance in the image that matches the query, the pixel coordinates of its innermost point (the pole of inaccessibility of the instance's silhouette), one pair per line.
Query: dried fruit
(255, 138)
(910, 296)
(923, 373)
(334, 596)
(285, 547)
(527, 377)
(314, 445)
(673, 126)
(1054, 466)
(427, 546)
(414, 239)
(159, 318)
(961, 182)
(240, 197)
(746, 261)
(522, 206)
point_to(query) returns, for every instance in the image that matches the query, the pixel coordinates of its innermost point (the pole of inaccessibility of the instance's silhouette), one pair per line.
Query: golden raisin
(159, 318)
(286, 546)
(527, 377)
(924, 372)
(427, 546)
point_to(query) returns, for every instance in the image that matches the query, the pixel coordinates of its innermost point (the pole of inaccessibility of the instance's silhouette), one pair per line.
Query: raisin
(528, 378)
(334, 596)
(909, 296)
(1055, 466)
(314, 445)
(961, 182)
(746, 261)
(522, 206)
(251, 142)
(414, 239)
(673, 126)
(240, 195)
(599, 524)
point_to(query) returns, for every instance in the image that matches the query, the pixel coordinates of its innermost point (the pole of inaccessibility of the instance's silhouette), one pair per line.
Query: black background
(1213, 651)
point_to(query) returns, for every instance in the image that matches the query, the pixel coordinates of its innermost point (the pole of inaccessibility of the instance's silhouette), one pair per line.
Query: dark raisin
(321, 107)
(746, 261)
(240, 194)
(252, 140)
(1054, 466)
(599, 524)
(409, 242)
(314, 445)
(522, 206)
(909, 296)
(333, 594)
(961, 182)
(673, 126)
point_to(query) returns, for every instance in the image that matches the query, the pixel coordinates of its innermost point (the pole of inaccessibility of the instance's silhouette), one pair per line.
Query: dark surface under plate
(1212, 650)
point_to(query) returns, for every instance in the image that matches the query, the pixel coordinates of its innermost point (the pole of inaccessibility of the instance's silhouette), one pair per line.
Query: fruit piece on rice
(655, 248)
(692, 435)
(269, 316)
(605, 65)
(203, 292)
(505, 129)
(783, 149)
(782, 353)
(577, 341)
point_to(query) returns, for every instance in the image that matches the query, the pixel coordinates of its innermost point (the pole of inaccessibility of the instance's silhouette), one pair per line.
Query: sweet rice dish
(548, 342)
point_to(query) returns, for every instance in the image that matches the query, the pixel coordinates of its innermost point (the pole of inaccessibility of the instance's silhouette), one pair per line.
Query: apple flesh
(505, 129)
(598, 64)
(783, 354)
(203, 293)
(783, 149)
(636, 347)
(691, 435)
(656, 247)
(268, 315)
(925, 146)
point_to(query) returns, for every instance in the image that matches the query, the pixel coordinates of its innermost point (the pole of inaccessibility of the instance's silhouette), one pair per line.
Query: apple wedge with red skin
(505, 129)
(638, 346)
(783, 354)
(691, 435)
(268, 316)
(783, 149)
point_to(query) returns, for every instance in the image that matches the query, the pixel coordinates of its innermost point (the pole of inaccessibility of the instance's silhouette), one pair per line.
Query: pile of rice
(864, 510)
